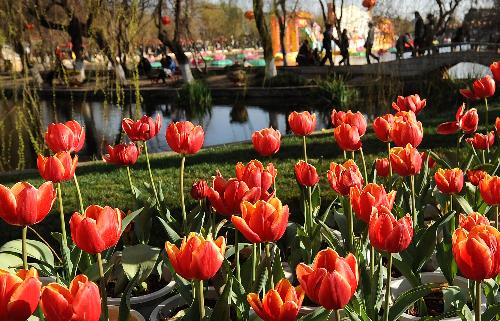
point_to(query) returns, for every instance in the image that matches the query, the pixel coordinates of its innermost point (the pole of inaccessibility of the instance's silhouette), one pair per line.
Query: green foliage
(195, 98)
(335, 92)
(286, 79)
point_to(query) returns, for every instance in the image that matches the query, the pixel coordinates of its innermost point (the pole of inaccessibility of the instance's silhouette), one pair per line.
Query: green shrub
(286, 79)
(336, 92)
(195, 98)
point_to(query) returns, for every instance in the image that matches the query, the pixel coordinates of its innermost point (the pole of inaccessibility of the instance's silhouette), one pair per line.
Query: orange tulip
(471, 220)
(184, 137)
(344, 176)
(407, 131)
(371, 196)
(279, 304)
(477, 252)
(197, 258)
(122, 154)
(481, 88)
(489, 187)
(449, 181)
(465, 120)
(495, 70)
(382, 167)
(24, 205)
(302, 124)
(81, 302)
(331, 281)
(497, 125)
(482, 141)
(382, 127)
(143, 129)
(475, 176)
(387, 234)
(58, 168)
(19, 294)
(65, 137)
(347, 137)
(98, 229)
(200, 190)
(306, 174)
(263, 221)
(406, 161)
(255, 175)
(266, 141)
(409, 103)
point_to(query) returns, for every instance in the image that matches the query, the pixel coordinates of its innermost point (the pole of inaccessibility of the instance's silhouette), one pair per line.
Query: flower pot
(400, 285)
(305, 310)
(114, 313)
(172, 305)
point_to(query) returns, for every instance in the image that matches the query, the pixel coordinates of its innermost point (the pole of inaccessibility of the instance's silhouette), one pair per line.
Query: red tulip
(255, 175)
(497, 125)
(122, 154)
(407, 131)
(263, 221)
(382, 167)
(482, 141)
(382, 127)
(226, 196)
(143, 129)
(495, 70)
(372, 196)
(468, 222)
(431, 162)
(388, 235)
(81, 302)
(331, 281)
(489, 187)
(409, 103)
(65, 137)
(98, 229)
(405, 161)
(338, 118)
(344, 176)
(481, 88)
(302, 124)
(306, 174)
(368, 4)
(200, 190)
(347, 137)
(19, 294)
(184, 137)
(198, 258)
(266, 141)
(165, 20)
(465, 120)
(58, 168)
(477, 252)
(475, 176)
(449, 181)
(24, 205)
(353, 119)
(279, 304)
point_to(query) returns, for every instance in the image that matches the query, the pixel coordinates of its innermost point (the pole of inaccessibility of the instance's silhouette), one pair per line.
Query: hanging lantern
(368, 4)
(29, 26)
(165, 20)
(249, 15)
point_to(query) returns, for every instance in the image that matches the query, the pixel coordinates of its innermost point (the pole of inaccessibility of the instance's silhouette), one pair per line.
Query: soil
(153, 284)
(433, 301)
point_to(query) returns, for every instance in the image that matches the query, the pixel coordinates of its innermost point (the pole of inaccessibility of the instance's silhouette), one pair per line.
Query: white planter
(400, 285)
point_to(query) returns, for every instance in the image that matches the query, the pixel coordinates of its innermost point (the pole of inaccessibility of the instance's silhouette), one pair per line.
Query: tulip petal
(24, 300)
(56, 303)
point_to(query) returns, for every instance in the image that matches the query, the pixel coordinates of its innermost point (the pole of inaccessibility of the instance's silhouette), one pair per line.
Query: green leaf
(405, 269)
(124, 313)
(277, 270)
(36, 250)
(129, 218)
(10, 262)
(445, 258)
(140, 257)
(171, 233)
(222, 308)
(453, 297)
(319, 314)
(464, 204)
(449, 314)
(66, 254)
(491, 312)
(93, 271)
(406, 299)
(261, 276)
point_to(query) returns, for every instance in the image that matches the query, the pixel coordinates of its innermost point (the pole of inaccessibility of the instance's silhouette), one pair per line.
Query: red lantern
(249, 15)
(368, 4)
(165, 20)
(29, 26)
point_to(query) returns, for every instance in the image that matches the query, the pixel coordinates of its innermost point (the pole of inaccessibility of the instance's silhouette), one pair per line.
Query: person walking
(370, 39)
(429, 35)
(419, 34)
(327, 46)
(344, 48)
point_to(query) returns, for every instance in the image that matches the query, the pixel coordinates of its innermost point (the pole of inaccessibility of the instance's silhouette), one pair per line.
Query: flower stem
(413, 206)
(102, 285)
(350, 224)
(389, 158)
(305, 147)
(200, 297)
(486, 113)
(372, 263)
(388, 288)
(61, 218)
(364, 164)
(457, 150)
(270, 266)
(130, 180)
(237, 255)
(309, 221)
(151, 174)
(453, 219)
(80, 199)
(496, 217)
(477, 309)
(337, 315)
(24, 248)
(254, 262)
(181, 192)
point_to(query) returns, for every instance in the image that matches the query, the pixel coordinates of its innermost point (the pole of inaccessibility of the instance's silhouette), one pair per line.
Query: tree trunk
(265, 38)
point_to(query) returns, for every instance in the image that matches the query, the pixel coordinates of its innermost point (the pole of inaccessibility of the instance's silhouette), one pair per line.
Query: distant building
(483, 24)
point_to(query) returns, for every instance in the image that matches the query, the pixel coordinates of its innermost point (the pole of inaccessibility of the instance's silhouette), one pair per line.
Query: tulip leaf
(261, 276)
(39, 251)
(319, 314)
(277, 270)
(405, 269)
(10, 261)
(446, 315)
(124, 313)
(332, 239)
(445, 258)
(464, 204)
(491, 312)
(171, 233)
(439, 160)
(406, 299)
(140, 257)
(222, 308)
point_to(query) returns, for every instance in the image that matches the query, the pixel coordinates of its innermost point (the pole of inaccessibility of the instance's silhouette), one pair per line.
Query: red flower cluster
(467, 121)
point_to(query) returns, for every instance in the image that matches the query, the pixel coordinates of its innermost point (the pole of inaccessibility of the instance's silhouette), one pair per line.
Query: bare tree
(447, 9)
(337, 15)
(280, 10)
(265, 37)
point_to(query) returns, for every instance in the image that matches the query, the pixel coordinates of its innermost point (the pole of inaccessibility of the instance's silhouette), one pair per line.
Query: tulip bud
(471, 220)
(142, 130)
(302, 124)
(184, 137)
(475, 176)
(371, 196)
(382, 127)
(344, 176)
(347, 137)
(200, 190)
(449, 181)
(406, 161)
(382, 167)
(65, 137)
(409, 103)
(495, 70)
(306, 174)
(387, 234)
(122, 154)
(266, 141)
(58, 168)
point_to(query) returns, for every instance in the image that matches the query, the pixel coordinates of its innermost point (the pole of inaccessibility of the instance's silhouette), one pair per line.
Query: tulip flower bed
(247, 244)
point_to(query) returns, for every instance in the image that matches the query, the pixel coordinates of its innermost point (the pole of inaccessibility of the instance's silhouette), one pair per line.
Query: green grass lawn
(105, 184)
